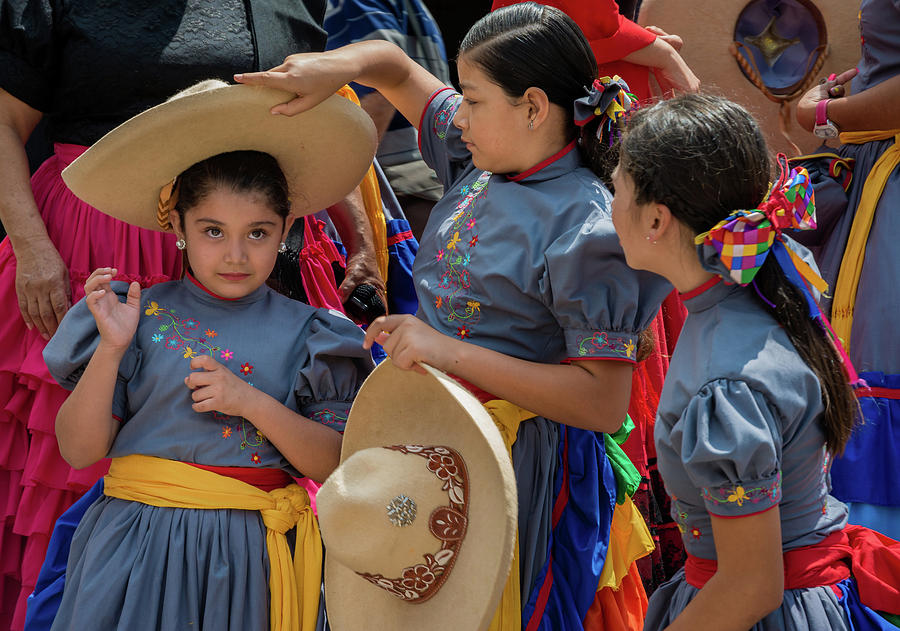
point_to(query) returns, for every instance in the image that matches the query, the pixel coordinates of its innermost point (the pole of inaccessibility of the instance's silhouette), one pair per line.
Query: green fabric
(627, 476)
(623, 432)
(894, 619)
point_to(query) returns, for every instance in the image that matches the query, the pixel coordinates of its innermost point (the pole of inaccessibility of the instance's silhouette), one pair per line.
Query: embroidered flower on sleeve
(739, 494)
(226, 432)
(226, 354)
(696, 534)
(157, 338)
(462, 332)
(210, 333)
(451, 244)
(189, 352)
(254, 458)
(328, 417)
(173, 343)
(152, 309)
(473, 241)
(246, 368)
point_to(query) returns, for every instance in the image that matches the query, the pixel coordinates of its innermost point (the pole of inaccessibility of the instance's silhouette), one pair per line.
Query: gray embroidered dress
(738, 432)
(134, 566)
(529, 266)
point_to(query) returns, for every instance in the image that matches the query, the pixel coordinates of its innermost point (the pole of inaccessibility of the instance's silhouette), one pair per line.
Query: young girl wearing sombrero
(523, 291)
(758, 396)
(211, 392)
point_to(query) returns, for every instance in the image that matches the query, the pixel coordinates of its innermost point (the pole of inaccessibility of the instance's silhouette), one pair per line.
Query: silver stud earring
(531, 124)
(283, 247)
(181, 244)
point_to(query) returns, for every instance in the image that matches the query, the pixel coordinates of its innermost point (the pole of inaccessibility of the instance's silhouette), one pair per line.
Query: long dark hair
(704, 157)
(531, 45)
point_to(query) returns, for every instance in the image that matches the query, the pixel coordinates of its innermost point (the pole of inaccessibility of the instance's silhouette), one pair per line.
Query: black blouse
(89, 65)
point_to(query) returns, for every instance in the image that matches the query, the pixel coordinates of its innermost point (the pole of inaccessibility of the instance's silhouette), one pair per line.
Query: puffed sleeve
(440, 141)
(72, 346)
(731, 448)
(28, 51)
(332, 370)
(601, 304)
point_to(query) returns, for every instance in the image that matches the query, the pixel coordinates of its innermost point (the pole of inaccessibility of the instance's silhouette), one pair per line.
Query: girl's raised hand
(116, 321)
(216, 388)
(408, 342)
(313, 77)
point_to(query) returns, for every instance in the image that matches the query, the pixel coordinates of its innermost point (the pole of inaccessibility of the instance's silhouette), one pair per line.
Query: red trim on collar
(201, 286)
(540, 165)
(425, 109)
(712, 282)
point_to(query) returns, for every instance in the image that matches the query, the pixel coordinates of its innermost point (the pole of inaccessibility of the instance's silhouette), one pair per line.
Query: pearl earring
(181, 244)
(283, 247)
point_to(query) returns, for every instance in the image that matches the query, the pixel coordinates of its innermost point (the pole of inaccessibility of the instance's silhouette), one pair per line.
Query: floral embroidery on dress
(442, 116)
(180, 335)
(456, 257)
(328, 417)
(738, 494)
(593, 344)
(179, 332)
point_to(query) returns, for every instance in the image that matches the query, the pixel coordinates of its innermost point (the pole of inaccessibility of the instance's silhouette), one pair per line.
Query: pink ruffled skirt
(36, 484)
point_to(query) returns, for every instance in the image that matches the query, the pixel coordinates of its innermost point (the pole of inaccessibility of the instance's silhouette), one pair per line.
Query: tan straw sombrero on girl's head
(419, 520)
(323, 152)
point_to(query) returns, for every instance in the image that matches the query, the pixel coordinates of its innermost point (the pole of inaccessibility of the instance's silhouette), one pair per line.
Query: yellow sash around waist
(294, 585)
(855, 252)
(507, 417)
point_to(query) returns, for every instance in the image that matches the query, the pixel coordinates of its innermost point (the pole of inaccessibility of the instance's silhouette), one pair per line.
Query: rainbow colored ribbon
(745, 238)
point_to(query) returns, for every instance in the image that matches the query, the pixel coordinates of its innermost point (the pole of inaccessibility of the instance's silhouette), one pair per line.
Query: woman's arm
(872, 109)
(312, 448)
(671, 71)
(589, 394)
(749, 580)
(85, 427)
(42, 280)
(377, 64)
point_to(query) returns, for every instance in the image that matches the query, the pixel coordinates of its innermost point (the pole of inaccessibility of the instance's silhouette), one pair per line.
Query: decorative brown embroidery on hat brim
(448, 524)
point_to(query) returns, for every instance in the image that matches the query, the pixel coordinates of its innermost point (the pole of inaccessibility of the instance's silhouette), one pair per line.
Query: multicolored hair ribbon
(607, 97)
(745, 238)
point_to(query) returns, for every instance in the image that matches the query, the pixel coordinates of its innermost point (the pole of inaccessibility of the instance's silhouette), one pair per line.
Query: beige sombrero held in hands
(323, 152)
(419, 519)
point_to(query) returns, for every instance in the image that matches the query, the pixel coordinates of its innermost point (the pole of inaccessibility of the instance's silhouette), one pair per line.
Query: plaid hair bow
(607, 97)
(745, 237)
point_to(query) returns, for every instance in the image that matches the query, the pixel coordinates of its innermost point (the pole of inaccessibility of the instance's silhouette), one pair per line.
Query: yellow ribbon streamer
(629, 540)
(294, 585)
(371, 194)
(507, 417)
(854, 254)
